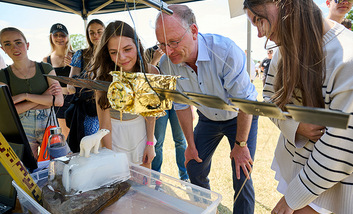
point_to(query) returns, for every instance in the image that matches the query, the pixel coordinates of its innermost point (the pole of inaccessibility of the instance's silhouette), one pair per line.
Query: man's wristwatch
(241, 144)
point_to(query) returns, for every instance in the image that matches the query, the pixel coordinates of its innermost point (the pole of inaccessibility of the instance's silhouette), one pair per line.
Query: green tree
(78, 41)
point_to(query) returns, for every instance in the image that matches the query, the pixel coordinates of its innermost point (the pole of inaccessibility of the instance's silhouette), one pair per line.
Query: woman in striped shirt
(312, 67)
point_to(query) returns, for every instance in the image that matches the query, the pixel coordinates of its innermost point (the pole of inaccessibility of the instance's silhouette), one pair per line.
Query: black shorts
(60, 111)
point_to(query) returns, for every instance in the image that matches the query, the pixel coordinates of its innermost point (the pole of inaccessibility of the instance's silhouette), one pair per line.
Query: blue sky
(212, 17)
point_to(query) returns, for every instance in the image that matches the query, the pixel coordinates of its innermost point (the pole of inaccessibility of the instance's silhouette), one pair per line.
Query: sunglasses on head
(340, 1)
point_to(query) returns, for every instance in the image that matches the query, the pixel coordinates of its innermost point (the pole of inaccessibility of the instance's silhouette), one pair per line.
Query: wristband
(149, 143)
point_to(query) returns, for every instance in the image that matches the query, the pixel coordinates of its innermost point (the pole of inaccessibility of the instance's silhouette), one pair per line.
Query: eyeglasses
(270, 52)
(340, 1)
(171, 44)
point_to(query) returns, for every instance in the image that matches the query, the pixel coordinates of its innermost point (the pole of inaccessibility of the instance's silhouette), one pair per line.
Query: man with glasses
(214, 65)
(338, 9)
(265, 65)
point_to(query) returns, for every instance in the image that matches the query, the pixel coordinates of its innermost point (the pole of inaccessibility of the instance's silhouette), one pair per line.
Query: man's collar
(202, 54)
(202, 51)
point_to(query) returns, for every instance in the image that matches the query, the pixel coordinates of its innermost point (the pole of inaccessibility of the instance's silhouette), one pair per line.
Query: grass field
(266, 195)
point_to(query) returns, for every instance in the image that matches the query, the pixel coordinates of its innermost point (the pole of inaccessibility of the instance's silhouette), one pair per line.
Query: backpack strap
(42, 70)
(7, 78)
(48, 59)
(82, 62)
(82, 74)
(40, 67)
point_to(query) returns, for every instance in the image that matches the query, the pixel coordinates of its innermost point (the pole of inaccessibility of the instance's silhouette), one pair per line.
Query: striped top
(321, 172)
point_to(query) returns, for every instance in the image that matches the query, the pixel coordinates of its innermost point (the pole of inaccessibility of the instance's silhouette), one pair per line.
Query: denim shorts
(34, 123)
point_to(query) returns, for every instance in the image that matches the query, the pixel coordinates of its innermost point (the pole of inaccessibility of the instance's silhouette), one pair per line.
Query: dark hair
(149, 54)
(88, 53)
(300, 40)
(347, 23)
(103, 64)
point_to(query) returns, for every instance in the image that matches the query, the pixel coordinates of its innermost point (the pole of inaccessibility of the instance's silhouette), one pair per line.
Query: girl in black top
(60, 59)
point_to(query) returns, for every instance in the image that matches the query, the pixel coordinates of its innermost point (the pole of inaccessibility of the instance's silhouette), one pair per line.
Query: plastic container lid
(56, 130)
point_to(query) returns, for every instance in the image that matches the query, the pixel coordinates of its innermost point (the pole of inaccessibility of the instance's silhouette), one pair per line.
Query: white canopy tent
(236, 9)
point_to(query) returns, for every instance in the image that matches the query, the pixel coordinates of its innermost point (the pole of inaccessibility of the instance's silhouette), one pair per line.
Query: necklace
(21, 72)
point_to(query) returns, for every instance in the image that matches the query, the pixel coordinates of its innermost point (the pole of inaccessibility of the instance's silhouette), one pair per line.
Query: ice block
(83, 174)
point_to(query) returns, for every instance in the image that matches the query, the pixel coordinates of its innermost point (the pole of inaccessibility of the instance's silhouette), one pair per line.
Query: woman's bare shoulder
(45, 59)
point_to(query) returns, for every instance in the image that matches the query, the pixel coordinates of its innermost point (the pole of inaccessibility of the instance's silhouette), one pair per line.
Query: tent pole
(248, 48)
(100, 7)
(84, 15)
(85, 24)
(65, 7)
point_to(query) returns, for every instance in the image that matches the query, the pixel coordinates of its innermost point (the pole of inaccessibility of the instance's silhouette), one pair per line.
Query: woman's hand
(282, 207)
(67, 60)
(157, 55)
(310, 131)
(19, 98)
(71, 89)
(54, 89)
(148, 154)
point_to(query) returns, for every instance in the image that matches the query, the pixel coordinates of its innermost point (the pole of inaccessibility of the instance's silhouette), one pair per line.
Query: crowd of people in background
(310, 66)
(265, 65)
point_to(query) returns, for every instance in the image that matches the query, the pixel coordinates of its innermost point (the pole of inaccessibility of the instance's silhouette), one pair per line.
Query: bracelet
(149, 143)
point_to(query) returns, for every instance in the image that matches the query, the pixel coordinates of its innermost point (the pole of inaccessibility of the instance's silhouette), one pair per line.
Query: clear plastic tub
(150, 192)
(27, 202)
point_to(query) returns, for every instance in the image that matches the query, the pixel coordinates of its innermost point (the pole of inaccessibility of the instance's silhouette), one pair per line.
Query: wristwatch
(241, 144)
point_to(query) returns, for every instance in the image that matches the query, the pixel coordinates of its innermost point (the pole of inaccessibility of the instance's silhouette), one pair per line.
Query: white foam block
(83, 174)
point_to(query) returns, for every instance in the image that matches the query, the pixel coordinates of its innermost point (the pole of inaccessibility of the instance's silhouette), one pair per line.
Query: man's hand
(242, 158)
(191, 153)
(310, 131)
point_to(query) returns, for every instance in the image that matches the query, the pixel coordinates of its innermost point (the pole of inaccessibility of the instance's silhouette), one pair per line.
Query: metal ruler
(18, 172)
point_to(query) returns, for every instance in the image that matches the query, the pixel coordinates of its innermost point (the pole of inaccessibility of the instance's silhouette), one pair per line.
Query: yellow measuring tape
(18, 172)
